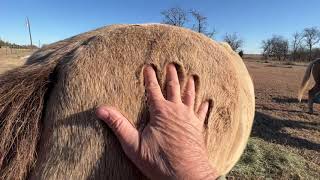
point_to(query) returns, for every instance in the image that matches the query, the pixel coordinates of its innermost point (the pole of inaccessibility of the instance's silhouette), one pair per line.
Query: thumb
(122, 128)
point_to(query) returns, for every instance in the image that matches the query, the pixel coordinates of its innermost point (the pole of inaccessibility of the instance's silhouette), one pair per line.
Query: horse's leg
(310, 105)
(312, 93)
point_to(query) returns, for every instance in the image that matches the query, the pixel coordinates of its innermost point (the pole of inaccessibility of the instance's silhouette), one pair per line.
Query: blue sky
(253, 20)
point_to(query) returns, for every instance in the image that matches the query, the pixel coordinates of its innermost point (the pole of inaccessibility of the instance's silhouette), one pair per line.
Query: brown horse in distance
(314, 68)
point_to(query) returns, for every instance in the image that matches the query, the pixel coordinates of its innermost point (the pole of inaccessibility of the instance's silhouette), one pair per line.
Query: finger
(172, 84)
(151, 84)
(121, 127)
(203, 110)
(189, 93)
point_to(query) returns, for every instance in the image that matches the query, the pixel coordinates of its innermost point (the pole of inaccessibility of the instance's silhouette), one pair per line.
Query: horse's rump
(314, 69)
(105, 67)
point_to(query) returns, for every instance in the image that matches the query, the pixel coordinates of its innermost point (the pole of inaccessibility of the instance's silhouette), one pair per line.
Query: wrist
(199, 170)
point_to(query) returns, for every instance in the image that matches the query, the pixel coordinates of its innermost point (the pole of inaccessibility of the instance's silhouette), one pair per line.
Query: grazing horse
(313, 93)
(48, 127)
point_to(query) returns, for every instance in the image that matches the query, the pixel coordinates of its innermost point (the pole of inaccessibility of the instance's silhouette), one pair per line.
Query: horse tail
(305, 80)
(23, 94)
(22, 98)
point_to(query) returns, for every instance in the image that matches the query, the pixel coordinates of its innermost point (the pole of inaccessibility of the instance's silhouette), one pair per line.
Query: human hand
(171, 146)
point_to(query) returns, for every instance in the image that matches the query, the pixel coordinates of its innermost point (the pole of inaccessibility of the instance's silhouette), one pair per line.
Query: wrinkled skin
(172, 145)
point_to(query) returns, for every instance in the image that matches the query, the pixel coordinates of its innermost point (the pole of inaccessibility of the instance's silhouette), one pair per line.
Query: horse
(48, 126)
(314, 68)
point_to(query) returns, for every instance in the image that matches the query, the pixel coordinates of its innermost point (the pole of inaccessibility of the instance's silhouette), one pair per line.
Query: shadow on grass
(288, 100)
(278, 65)
(283, 110)
(269, 129)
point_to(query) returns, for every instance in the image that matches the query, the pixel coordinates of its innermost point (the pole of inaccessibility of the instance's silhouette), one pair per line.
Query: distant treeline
(302, 46)
(16, 46)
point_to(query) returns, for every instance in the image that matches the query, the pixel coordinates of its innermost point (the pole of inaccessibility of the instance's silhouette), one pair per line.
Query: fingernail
(210, 103)
(102, 113)
(170, 64)
(191, 78)
(148, 66)
(207, 104)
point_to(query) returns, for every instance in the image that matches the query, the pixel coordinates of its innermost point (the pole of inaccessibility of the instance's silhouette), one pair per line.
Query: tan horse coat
(314, 68)
(54, 96)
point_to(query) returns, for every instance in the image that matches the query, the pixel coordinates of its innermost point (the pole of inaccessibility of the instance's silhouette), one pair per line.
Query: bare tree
(175, 16)
(233, 40)
(241, 53)
(281, 47)
(312, 37)
(201, 24)
(277, 47)
(296, 44)
(266, 48)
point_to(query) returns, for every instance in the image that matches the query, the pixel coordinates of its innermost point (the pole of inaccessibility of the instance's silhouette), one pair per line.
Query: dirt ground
(10, 58)
(280, 119)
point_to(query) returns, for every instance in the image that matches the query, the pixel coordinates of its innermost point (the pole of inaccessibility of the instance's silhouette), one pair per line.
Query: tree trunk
(310, 52)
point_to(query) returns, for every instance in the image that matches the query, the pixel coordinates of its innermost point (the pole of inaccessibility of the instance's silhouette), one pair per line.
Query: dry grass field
(10, 58)
(285, 140)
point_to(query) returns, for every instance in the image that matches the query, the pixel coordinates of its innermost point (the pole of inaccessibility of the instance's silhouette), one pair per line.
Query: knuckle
(116, 124)
(189, 93)
(173, 83)
(152, 86)
(153, 102)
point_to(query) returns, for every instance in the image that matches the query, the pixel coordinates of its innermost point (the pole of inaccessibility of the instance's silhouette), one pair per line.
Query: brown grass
(11, 58)
(285, 140)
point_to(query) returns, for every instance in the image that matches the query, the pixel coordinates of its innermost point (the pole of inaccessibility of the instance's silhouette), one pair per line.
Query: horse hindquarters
(312, 94)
